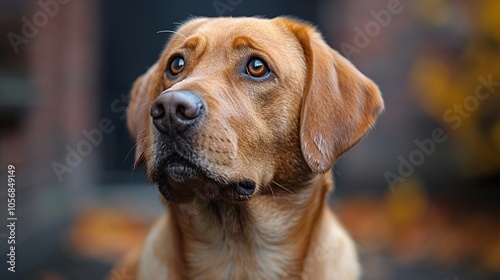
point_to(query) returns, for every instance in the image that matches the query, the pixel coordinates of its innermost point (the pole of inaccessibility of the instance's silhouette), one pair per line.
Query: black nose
(177, 110)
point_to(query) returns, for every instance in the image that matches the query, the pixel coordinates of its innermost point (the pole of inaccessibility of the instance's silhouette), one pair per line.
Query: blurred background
(420, 194)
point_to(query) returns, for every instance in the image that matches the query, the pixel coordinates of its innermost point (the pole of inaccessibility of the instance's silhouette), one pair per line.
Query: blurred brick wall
(60, 71)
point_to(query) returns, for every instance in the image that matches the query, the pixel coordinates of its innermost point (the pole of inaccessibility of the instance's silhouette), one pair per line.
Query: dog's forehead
(223, 43)
(228, 30)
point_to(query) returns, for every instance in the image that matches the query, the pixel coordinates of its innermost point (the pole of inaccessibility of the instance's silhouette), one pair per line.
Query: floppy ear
(339, 104)
(141, 99)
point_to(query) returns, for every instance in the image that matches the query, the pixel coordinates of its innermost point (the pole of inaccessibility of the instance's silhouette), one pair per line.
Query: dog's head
(234, 105)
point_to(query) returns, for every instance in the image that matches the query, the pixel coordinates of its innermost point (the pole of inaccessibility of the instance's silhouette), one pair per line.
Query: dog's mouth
(181, 179)
(181, 169)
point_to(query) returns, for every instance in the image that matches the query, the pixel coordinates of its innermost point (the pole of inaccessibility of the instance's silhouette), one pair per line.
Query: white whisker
(129, 153)
(283, 187)
(171, 31)
(145, 106)
(272, 192)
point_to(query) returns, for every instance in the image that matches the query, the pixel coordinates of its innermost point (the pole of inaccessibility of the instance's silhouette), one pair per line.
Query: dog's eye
(176, 66)
(256, 67)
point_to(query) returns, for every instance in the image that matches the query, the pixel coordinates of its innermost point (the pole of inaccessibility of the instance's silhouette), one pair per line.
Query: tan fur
(284, 133)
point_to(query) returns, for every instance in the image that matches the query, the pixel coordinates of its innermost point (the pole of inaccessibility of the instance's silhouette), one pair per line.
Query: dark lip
(241, 190)
(179, 188)
(176, 170)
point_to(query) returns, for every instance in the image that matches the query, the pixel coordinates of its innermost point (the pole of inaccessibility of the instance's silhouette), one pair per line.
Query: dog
(238, 124)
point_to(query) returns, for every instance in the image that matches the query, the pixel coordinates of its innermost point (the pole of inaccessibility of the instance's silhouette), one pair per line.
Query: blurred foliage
(412, 227)
(447, 73)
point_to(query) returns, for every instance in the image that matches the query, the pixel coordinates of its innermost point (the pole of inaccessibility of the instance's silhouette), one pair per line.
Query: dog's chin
(181, 183)
(180, 173)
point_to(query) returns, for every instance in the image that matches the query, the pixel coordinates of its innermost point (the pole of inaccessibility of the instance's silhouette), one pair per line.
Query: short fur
(284, 133)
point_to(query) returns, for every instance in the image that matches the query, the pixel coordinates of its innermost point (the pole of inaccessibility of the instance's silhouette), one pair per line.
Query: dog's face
(234, 105)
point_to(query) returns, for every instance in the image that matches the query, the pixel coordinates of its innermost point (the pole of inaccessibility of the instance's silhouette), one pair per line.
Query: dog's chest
(231, 260)
(261, 254)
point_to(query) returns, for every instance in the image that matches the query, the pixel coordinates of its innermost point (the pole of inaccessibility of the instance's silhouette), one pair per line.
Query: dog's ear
(141, 99)
(339, 104)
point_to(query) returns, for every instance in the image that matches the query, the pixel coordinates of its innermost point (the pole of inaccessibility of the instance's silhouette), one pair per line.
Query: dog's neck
(236, 237)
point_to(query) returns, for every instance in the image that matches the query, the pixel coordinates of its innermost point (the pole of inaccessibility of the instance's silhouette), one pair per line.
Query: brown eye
(176, 66)
(256, 67)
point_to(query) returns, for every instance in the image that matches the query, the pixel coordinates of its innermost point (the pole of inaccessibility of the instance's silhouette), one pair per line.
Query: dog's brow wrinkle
(242, 42)
(191, 43)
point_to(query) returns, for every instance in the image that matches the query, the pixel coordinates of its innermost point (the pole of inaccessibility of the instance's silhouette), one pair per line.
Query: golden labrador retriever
(238, 124)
